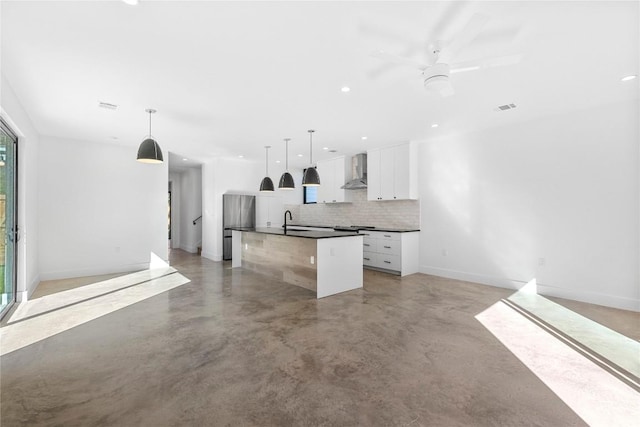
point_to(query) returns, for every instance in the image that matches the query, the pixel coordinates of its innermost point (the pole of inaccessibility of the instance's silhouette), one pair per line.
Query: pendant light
(266, 184)
(286, 180)
(149, 150)
(311, 177)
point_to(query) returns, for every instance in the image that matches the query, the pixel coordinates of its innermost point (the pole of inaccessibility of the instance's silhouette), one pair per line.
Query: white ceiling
(228, 78)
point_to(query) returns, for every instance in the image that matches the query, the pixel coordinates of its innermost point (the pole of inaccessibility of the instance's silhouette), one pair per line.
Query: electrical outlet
(312, 259)
(541, 262)
(117, 249)
(268, 223)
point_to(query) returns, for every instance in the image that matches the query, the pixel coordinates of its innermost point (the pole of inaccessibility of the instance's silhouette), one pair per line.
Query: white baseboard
(499, 282)
(211, 256)
(30, 289)
(546, 290)
(190, 249)
(94, 271)
(590, 297)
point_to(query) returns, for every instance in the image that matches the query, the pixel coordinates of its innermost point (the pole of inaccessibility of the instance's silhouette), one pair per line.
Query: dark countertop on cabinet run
(387, 229)
(293, 233)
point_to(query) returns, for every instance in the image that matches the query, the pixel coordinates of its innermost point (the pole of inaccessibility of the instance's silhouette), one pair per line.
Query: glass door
(8, 226)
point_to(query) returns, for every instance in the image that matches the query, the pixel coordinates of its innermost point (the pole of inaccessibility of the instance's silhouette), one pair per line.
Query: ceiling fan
(439, 54)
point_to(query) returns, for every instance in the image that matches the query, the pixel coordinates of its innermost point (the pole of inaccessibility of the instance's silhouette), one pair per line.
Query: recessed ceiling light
(435, 125)
(130, 2)
(184, 160)
(299, 155)
(241, 156)
(627, 78)
(277, 161)
(325, 148)
(364, 138)
(345, 88)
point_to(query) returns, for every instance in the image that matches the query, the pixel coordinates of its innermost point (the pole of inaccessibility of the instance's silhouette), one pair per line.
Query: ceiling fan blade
(452, 10)
(498, 61)
(400, 60)
(388, 34)
(466, 36)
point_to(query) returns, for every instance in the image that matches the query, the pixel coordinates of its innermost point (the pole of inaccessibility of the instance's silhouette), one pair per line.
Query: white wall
(556, 199)
(28, 147)
(190, 209)
(176, 208)
(221, 176)
(100, 211)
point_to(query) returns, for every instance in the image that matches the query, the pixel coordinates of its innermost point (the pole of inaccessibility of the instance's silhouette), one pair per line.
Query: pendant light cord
(311, 131)
(286, 141)
(266, 148)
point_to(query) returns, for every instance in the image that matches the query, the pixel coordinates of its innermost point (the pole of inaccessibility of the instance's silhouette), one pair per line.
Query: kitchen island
(325, 262)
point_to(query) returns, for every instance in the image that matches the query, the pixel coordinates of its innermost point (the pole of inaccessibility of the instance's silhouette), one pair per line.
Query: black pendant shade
(286, 180)
(149, 150)
(267, 184)
(311, 177)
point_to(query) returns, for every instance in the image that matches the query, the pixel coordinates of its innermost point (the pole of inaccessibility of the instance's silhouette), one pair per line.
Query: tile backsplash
(392, 213)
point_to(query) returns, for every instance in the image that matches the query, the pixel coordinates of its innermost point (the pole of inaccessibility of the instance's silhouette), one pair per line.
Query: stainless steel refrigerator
(237, 211)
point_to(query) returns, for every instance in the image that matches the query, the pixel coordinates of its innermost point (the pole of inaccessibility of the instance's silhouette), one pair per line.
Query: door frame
(15, 231)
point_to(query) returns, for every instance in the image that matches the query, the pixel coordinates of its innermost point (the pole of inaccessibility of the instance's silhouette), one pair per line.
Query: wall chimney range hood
(359, 173)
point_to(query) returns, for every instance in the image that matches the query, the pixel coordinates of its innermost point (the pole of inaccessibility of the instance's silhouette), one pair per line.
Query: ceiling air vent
(506, 107)
(107, 105)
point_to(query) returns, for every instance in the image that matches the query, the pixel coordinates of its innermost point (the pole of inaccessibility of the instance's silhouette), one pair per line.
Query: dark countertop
(387, 229)
(292, 233)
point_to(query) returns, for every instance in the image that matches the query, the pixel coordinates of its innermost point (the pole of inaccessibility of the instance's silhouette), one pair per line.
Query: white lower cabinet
(393, 251)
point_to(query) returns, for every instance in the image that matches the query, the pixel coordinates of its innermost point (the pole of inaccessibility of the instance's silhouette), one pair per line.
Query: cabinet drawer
(369, 244)
(383, 235)
(390, 262)
(389, 247)
(370, 259)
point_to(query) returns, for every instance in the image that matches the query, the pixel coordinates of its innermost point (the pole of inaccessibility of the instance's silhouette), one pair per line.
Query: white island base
(326, 263)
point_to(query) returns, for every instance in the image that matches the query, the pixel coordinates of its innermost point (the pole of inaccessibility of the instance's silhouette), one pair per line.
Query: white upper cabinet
(269, 210)
(392, 172)
(332, 176)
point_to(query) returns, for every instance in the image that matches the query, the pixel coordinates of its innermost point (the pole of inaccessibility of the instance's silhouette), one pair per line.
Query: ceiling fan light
(266, 184)
(310, 178)
(286, 182)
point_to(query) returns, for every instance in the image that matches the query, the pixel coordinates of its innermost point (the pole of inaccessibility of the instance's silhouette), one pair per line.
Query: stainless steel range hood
(359, 173)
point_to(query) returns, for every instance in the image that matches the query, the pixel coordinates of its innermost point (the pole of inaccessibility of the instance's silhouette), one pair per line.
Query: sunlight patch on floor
(592, 393)
(615, 347)
(47, 316)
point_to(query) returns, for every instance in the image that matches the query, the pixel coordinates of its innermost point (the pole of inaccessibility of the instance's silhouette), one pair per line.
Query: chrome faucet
(285, 220)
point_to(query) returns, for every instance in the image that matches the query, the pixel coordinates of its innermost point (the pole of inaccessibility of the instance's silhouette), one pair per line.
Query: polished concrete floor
(232, 347)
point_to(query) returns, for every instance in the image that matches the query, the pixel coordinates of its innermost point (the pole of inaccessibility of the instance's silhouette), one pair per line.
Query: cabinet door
(373, 174)
(262, 210)
(387, 175)
(402, 173)
(325, 190)
(338, 179)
